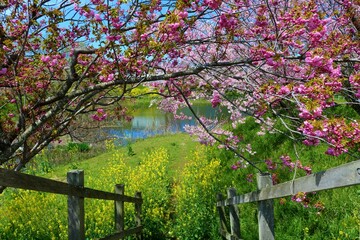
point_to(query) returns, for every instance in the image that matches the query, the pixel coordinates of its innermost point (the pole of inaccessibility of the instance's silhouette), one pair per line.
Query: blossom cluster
(100, 115)
(286, 163)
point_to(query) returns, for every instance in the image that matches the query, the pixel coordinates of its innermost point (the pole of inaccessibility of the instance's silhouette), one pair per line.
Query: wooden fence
(338, 177)
(76, 193)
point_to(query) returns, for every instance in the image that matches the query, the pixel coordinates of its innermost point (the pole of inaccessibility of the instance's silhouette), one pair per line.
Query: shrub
(81, 147)
(40, 164)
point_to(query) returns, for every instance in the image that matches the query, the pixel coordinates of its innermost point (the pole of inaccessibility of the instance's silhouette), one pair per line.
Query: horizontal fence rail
(13, 179)
(342, 176)
(76, 193)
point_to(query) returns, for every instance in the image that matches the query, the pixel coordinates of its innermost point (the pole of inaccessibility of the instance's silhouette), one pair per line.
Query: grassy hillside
(179, 180)
(178, 145)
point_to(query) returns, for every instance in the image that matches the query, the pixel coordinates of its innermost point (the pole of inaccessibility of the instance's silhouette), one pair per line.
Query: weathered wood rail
(76, 194)
(342, 176)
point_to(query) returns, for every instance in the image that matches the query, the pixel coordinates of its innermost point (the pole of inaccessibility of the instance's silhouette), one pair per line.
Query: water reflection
(151, 121)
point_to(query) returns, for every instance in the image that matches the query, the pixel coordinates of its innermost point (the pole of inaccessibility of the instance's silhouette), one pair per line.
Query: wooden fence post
(265, 210)
(221, 211)
(138, 214)
(76, 214)
(234, 215)
(119, 209)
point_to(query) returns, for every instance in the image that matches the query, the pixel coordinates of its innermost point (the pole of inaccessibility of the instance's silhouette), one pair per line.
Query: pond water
(148, 122)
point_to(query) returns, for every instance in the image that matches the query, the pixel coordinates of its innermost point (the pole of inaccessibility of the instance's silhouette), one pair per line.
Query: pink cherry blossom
(100, 115)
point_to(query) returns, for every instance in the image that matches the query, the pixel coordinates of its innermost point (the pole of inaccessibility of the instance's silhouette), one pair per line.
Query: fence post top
(263, 174)
(76, 171)
(138, 194)
(76, 178)
(231, 192)
(263, 180)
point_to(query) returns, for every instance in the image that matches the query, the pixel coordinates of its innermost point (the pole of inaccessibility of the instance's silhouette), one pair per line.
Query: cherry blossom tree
(288, 62)
(283, 61)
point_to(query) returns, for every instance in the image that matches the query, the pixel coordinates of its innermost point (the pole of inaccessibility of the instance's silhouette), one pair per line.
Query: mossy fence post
(265, 209)
(119, 209)
(76, 212)
(221, 211)
(234, 215)
(138, 214)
